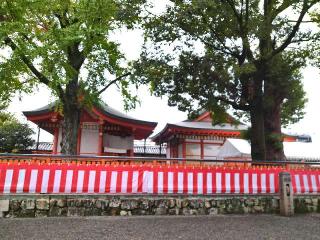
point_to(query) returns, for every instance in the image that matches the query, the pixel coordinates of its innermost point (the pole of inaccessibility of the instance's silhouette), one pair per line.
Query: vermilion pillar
(202, 149)
(100, 142)
(184, 149)
(55, 141)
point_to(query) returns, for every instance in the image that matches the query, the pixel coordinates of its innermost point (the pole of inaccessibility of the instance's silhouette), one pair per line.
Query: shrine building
(198, 138)
(103, 130)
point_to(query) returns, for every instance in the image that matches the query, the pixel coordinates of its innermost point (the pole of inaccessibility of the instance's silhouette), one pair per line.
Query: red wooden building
(198, 138)
(103, 130)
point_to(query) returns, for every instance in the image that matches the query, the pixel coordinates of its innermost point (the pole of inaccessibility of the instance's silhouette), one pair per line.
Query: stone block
(129, 204)
(115, 203)
(213, 211)
(42, 204)
(207, 203)
(41, 213)
(62, 202)
(57, 211)
(4, 205)
(14, 205)
(171, 203)
(123, 213)
(28, 204)
(174, 211)
(102, 203)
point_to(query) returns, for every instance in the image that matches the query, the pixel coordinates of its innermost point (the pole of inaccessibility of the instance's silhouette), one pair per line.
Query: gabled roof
(104, 108)
(141, 129)
(201, 126)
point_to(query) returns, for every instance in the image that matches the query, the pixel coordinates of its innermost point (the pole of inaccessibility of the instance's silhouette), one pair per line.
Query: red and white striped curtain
(55, 178)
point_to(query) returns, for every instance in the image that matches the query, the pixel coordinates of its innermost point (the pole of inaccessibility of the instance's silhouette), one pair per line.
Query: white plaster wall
(180, 155)
(89, 139)
(211, 151)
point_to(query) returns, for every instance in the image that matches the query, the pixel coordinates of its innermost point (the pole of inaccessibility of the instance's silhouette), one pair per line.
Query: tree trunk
(70, 129)
(272, 122)
(257, 137)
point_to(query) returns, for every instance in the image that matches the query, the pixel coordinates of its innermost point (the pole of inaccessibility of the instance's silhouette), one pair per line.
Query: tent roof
(292, 150)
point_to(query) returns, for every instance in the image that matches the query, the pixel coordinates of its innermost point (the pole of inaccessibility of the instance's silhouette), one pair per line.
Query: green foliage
(63, 43)
(14, 136)
(214, 54)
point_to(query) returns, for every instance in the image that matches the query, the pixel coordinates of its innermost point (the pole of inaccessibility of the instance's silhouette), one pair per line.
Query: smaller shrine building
(198, 138)
(103, 130)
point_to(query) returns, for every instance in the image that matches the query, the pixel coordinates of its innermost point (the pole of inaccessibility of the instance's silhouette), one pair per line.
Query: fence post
(286, 194)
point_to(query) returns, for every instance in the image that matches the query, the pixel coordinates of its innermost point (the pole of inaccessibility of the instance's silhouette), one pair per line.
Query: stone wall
(105, 205)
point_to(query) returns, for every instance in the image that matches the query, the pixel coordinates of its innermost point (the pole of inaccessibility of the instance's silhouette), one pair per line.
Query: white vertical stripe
(160, 182)
(263, 183)
(298, 187)
(170, 182)
(102, 184)
(209, 183)
(305, 183)
(200, 183)
(33, 181)
(113, 183)
(190, 183)
(135, 181)
(180, 182)
(254, 183)
(218, 182)
(272, 183)
(237, 183)
(228, 180)
(45, 180)
(246, 182)
(56, 183)
(8, 181)
(145, 182)
(92, 178)
(150, 182)
(20, 183)
(124, 182)
(314, 184)
(80, 181)
(68, 185)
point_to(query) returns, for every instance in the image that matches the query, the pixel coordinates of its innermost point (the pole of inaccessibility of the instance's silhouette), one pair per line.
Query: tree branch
(232, 103)
(295, 29)
(43, 79)
(113, 81)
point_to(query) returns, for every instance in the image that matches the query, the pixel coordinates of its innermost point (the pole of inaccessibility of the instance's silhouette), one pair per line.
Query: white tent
(240, 148)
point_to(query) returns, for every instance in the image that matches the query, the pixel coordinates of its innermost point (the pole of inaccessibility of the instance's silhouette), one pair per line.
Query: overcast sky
(156, 109)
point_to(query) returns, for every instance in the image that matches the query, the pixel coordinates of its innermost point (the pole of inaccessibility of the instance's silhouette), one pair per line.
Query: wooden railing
(115, 160)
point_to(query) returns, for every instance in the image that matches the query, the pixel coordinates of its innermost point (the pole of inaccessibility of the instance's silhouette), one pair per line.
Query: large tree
(68, 46)
(217, 54)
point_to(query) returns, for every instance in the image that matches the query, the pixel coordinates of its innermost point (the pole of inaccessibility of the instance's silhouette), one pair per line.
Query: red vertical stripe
(195, 182)
(214, 185)
(97, 181)
(250, 182)
(39, 180)
(15, 177)
(74, 179)
(119, 182)
(165, 181)
(175, 181)
(185, 181)
(223, 182)
(241, 181)
(259, 186)
(108, 181)
(232, 183)
(85, 180)
(129, 185)
(63, 180)
(2, 178)
(204, 183)
(268, 182)
(26, 179)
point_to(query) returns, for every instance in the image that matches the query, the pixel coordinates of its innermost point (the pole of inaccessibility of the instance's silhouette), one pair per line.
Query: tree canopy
(66, 45)
(241, 54)
(14, 136)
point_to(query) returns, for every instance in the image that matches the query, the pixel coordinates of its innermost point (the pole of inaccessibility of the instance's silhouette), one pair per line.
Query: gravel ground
(167, 227)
